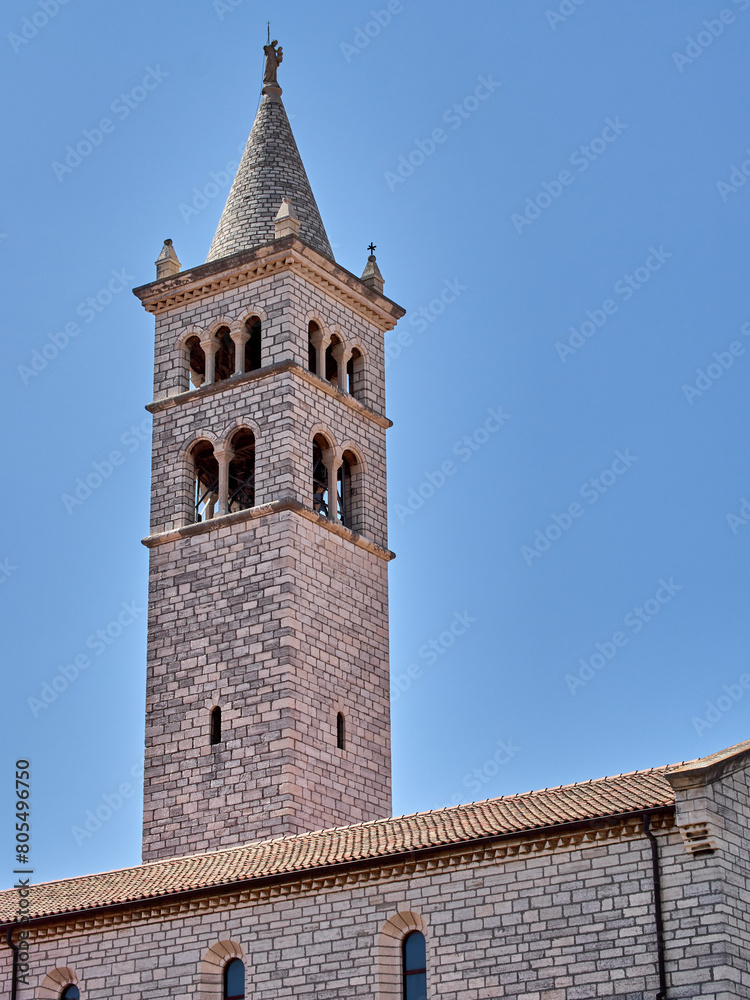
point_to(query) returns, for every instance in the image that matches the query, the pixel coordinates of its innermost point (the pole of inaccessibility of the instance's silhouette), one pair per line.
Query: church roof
(271, 169)
(380, 842)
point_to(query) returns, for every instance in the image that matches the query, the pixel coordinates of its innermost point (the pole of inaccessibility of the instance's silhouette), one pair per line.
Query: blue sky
(557, 196)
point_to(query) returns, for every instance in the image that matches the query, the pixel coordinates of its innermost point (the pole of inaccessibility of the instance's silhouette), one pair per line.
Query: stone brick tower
(267, 708)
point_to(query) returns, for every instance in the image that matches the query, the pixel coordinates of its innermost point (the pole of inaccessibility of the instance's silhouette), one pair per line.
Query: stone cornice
(479, 852)
(262, 373)
(706, 770)
(287, 254)
(254, 513)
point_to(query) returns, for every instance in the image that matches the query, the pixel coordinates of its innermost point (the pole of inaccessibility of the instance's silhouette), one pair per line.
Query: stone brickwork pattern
(287, 302)
(575, 923)
(271, 169)
(283, 624)
(277, 619)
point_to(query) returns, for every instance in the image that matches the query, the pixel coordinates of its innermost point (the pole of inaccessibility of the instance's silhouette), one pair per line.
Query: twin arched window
(210, 496)
(346, 509)
(332, 363)
(214, 494)
(234, 980)
(223, 354)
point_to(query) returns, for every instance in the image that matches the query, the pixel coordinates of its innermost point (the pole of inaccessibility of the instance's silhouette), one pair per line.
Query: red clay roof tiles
(367, 842)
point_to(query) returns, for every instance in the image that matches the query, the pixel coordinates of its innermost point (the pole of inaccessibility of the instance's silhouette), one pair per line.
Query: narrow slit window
(415, 966)
(340, 731)
(234, 980)
(215, 726)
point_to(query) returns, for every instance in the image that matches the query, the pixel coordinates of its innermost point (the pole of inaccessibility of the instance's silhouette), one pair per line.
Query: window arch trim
(216, 324)
(211, 970)
(389, 954)
(56, 981)
(241, 424)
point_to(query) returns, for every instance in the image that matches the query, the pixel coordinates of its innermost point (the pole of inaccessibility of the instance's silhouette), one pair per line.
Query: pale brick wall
(712, 945)
(278, 620)
(283, 624)
(289, 302)
(571, 924)
(283, 410)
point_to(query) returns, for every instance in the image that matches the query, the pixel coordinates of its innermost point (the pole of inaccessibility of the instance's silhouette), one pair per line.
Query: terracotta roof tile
(379, 840)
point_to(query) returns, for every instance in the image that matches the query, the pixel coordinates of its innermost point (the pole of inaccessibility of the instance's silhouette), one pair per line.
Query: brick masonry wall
(283, 624)
(289, 301)
(283, 410)
(712, 946)
(278, 620)
(572, 924)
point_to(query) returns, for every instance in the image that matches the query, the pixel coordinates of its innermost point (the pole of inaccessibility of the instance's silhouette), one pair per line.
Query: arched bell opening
(224, 363)
(241, 479)
(196, 363)
(320, 476)
(205, 481)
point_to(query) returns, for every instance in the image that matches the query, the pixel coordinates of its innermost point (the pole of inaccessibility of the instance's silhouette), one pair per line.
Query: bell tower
(267, 706)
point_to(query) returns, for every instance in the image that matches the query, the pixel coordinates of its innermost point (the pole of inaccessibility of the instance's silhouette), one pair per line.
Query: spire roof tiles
(271, 170)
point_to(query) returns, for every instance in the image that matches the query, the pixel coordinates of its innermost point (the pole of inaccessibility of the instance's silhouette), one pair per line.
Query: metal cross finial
(269, 32)
(372, 248)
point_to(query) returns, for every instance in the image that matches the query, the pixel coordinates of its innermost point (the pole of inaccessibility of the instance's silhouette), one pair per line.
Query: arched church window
(355, 374)
(313, 338)
(414, 952)
(215, 725)
(196, 363)
(242, 471)
(224, 364)
(234, 980)
(205, 481)
(253, 344)
(340, 731)
(70, 993)
(333, 354)
(321, 500)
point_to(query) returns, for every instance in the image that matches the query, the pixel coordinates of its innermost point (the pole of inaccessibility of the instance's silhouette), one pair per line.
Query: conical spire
(271, 171)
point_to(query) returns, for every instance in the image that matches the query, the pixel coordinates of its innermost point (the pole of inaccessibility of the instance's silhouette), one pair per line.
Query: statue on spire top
(274, 58)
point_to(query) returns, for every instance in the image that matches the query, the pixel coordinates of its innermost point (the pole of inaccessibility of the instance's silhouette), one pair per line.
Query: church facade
(271, 865)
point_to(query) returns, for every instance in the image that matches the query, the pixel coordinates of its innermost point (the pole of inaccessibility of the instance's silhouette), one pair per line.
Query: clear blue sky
(608, 153)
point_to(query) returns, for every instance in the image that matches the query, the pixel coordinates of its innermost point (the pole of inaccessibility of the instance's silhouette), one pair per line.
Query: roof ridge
(374, 842)
(166, 863)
